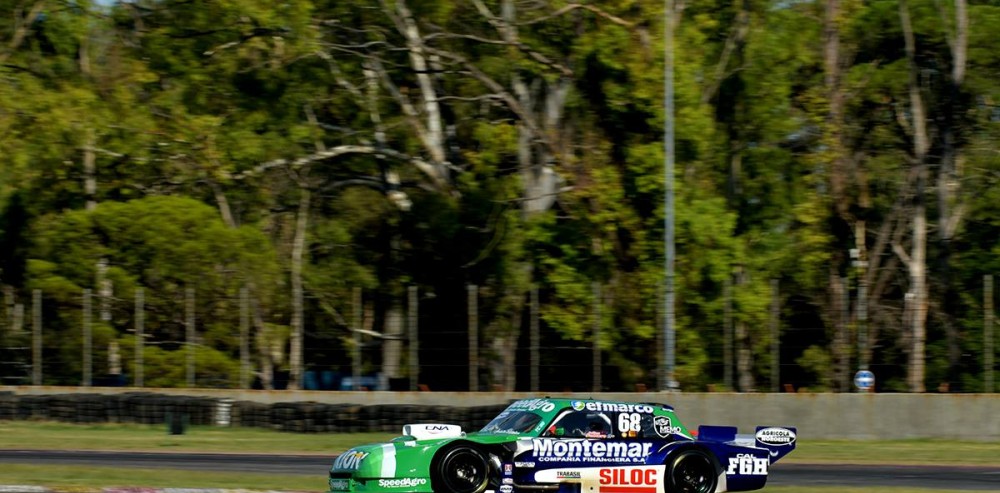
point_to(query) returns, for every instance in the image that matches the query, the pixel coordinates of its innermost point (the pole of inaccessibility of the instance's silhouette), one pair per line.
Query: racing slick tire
(692, 471)
(461, 469)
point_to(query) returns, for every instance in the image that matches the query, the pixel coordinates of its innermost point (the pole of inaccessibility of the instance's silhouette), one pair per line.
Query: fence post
(596, 361)
(988, 350)
(189, 298)
(244, 338)
(414, 339)
(140, 335)
(356, 359)
(36, 337)
(534, 339)
(727, 333)
(775, 339)
(104, 290)
(88, 363)
(8, 310)
(472, 298)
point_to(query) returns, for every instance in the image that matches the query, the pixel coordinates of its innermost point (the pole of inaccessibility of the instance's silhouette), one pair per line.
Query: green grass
(943, 452)
(62, 436)
(73, 477)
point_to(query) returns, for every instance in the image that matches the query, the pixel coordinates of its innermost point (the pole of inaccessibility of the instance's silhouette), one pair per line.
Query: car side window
(581, 424)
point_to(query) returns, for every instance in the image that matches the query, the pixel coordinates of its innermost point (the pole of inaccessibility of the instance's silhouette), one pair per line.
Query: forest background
(834, 159)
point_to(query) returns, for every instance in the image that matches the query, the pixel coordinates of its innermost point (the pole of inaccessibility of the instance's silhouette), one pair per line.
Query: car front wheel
(692, 471)
(461, 469)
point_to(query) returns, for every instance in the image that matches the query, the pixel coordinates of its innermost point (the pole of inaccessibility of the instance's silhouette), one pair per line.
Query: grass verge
(63, 477)
(63, 436)
(105, 436)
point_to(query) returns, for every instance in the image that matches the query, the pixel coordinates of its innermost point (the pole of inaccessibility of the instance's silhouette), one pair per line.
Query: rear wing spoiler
(778, 440)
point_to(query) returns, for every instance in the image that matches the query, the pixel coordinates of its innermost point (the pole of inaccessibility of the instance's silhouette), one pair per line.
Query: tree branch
(574, 6)
(333, 153)
(901, 253)
(21, 28)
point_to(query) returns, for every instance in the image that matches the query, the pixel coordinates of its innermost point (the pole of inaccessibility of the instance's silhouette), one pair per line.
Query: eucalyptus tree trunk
(744, 344)
(392, 342)
(916, 260)
(429, 129)
(544, 102)
(951, 206)
(295, 355)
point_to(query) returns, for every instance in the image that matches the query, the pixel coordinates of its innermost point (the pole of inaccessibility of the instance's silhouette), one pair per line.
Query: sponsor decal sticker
(533, 405)
(747, 465)
(349, 460)
(508, 469)
(663, 426)
(507, 481)
(568, 474)
(590, 451)
(615, 407)
(579, 406)
(402, 482)
(628, 480)
(340, 484)
(776, 436)
(524, 464)
(506, 488)
(435, 429)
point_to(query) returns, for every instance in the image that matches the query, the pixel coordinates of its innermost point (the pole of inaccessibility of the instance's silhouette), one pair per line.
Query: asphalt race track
(930, 477)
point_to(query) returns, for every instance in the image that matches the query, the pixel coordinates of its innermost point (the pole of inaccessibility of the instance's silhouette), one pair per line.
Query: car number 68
(629, 422)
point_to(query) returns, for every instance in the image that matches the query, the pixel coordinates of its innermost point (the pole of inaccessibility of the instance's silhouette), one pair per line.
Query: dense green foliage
(302, 149)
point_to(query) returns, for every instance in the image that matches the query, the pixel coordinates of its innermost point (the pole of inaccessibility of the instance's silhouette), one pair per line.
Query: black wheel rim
(464, 472)
(693, 474)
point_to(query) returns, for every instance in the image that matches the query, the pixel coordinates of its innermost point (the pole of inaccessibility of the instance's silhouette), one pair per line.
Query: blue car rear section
(742, 462)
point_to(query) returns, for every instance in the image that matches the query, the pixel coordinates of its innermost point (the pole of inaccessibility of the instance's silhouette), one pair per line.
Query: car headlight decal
(388, 460)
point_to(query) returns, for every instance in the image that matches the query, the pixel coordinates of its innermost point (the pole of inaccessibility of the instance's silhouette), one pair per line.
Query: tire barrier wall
(299, 417)
(137, 407)
(314, 417)
(817, 416)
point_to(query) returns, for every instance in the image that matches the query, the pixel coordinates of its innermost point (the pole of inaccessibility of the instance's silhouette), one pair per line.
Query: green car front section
(397, 466)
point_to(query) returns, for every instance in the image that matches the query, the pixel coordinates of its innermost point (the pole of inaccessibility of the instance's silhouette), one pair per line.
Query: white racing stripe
(388, 461)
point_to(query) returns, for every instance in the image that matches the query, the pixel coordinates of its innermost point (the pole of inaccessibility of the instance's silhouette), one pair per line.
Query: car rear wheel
(461, 469)
(692, 471)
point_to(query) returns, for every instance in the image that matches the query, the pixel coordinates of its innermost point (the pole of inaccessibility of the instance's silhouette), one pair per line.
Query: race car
(566, 446)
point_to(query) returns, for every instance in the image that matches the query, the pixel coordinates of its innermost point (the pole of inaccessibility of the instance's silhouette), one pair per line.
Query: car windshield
(512, 422)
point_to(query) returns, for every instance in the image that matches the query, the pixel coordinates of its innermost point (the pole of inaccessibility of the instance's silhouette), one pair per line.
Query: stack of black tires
(297, 417)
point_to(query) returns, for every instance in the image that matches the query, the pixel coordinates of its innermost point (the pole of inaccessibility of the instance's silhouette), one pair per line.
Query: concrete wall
(825, 416)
